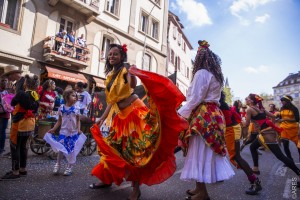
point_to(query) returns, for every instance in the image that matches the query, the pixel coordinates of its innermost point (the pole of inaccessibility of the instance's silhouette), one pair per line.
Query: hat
(10, 69)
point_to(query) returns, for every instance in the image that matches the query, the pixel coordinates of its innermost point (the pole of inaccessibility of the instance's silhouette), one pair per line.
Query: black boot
(254, 187)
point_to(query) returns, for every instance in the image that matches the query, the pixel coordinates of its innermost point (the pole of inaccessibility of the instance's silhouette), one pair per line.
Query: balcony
(90, 8)
(61, 52)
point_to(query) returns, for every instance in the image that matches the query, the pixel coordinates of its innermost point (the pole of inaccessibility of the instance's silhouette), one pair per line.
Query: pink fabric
(6, 100)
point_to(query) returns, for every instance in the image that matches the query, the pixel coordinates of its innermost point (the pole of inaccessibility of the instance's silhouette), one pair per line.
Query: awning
(64, 75)
(99, 82)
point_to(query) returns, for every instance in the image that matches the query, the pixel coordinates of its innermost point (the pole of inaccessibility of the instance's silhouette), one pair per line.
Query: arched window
(147, 62)
(106, 41)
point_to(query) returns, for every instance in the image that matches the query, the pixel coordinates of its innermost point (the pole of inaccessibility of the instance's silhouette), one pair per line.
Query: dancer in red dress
(141, 140)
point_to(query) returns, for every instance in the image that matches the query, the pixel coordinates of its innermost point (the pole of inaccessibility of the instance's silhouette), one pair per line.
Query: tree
(228, 95)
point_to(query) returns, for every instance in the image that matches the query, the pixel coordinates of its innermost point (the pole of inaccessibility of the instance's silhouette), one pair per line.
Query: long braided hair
(206, 59)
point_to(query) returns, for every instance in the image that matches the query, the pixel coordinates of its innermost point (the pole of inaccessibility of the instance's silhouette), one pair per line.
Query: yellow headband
(286, 97)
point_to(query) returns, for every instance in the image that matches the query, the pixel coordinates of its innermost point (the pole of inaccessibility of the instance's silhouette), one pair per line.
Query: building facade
(31, 36)
(289, 86)
(179, 53)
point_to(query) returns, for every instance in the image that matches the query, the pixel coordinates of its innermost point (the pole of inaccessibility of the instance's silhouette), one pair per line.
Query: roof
(175, 19)
(291, 79)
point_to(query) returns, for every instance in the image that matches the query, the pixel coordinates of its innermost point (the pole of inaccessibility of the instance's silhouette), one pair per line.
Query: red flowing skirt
(158, 161)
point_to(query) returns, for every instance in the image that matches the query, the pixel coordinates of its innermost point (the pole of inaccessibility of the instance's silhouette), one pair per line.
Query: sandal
(97, 186)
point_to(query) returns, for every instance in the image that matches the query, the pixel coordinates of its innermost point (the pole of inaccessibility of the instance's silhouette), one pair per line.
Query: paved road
(41, 184)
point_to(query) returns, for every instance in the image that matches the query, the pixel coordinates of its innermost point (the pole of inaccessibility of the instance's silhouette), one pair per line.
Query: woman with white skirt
(203, 143)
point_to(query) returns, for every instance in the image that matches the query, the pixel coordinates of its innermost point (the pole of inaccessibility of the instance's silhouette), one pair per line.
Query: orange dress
(141, 141)
(290, 129)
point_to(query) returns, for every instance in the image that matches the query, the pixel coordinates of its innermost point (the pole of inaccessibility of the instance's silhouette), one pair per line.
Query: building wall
(289, 86)
(183, 74)
(15, 44)
(40, 19)
(292, 90)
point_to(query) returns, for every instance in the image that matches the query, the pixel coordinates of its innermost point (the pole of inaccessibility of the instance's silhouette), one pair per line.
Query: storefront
(68, 78)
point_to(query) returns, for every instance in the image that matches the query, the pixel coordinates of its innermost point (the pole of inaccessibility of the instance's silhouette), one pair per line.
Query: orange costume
(141, 140)
(290, 129)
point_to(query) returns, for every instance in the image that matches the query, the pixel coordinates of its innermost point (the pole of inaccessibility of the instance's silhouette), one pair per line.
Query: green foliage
(228, 94)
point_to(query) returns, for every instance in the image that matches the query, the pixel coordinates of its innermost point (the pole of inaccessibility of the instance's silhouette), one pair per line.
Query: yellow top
(119, 90)
(288, 114)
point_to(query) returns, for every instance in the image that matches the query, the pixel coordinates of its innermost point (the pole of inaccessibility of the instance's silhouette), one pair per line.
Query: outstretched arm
(104, 116)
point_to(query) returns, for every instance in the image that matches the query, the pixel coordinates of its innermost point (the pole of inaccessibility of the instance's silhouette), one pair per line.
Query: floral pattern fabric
(67, 141)
(208, 121)
(134, 133)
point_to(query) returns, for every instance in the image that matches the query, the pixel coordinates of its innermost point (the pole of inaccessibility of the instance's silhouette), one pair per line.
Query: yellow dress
(290, 129)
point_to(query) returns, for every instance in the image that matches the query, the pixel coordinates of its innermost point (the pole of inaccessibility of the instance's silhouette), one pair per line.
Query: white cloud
(246, 5)
(262, 19)
(196, 12)
(239, 7)
(260, 69)
(173, 6)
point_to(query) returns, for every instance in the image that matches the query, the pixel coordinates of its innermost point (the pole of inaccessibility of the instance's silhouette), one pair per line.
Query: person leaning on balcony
(71, 38)
(82, 43)
(60, 45)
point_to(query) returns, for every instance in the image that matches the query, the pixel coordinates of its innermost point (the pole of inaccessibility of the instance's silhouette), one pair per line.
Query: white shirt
(84, 99)
(203, 88)
(69, 124)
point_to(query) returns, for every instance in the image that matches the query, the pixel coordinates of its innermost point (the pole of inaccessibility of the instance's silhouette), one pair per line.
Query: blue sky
(257, 40)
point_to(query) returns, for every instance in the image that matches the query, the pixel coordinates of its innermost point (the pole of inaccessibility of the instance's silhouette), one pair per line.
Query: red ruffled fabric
(167, 98)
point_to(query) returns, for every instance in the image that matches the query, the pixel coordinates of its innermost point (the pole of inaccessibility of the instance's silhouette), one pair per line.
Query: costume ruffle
(203, 165)
(165, 98)
(70, 146)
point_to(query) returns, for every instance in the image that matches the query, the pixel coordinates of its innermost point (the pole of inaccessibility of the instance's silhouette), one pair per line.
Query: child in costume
(70, 139)
(23, 123)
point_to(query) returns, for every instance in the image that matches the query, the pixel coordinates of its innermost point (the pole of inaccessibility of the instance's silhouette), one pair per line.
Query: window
(9, 13)
(113, 6)
(179, 38)
(147, 62)
(144, 23)
(154, 29)
(296, 95)
(188, 72)
(172, 57)
(66, 24)
(177, 64)
(105, 46)
(174, 32)
(184, 46)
